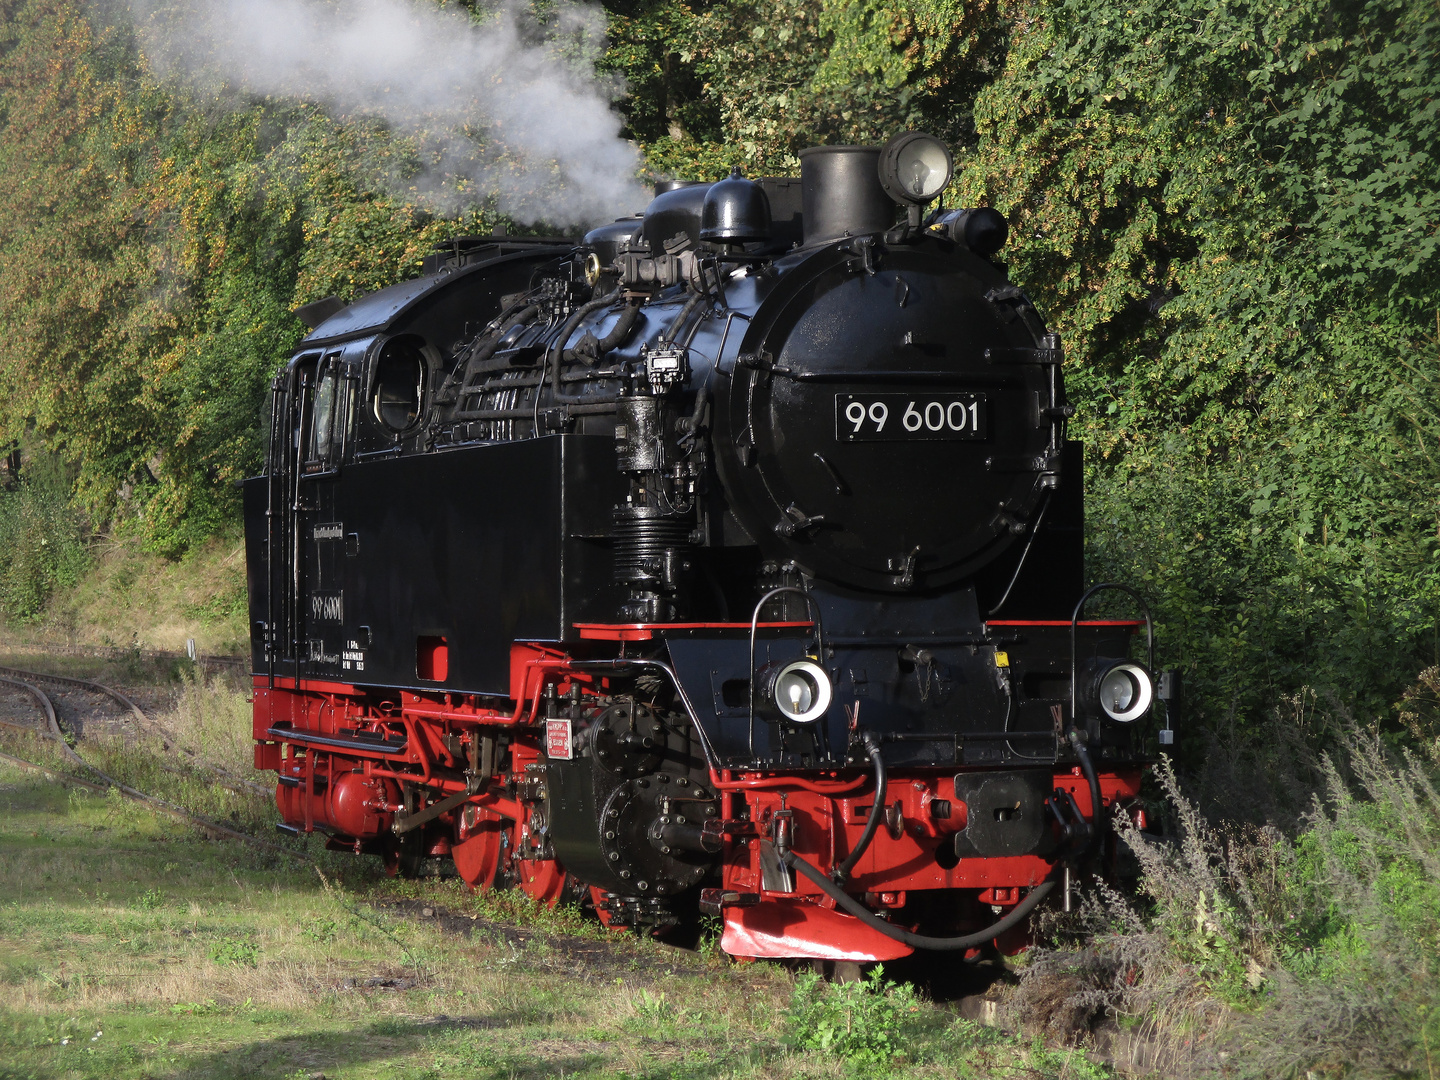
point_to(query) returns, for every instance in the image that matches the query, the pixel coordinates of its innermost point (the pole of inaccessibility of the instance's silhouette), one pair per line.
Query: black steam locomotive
(728, 560)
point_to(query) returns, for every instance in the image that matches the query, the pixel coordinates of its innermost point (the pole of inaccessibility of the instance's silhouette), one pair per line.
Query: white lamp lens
(802, 692)
(922, 168)
(1126, 692)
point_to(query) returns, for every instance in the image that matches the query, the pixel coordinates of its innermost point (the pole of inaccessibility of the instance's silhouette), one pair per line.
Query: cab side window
(397, 395)
(332, 418)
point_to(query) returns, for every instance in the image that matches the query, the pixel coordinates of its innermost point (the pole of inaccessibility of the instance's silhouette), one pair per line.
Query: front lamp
(914, 168)
(799, 691)
(1121, 690)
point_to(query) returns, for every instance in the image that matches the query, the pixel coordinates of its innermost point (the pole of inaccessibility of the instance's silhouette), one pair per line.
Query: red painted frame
(829, 810)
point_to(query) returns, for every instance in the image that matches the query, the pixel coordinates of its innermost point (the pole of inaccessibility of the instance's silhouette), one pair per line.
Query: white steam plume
(498, 111)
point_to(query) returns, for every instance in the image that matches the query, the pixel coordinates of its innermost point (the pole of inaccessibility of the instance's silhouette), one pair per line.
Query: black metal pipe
(1017, 915)
(598, 405)
(473, 364)
(687, 837)
(877, 810)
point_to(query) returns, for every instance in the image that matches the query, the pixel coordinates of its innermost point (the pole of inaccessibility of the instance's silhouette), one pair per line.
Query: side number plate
(909, 417)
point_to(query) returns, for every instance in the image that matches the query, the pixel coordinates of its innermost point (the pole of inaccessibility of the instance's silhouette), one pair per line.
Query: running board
(344, 742)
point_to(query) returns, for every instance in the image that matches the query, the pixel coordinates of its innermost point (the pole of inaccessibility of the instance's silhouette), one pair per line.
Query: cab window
(331, 415)
(397, 397)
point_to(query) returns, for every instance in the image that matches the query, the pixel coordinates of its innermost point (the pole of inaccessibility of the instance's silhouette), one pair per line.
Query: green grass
(131, 947)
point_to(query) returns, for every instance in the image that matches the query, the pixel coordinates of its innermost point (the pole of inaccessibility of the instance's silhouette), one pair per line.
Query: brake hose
(844, 900)
(1096, 806)
(877, 809)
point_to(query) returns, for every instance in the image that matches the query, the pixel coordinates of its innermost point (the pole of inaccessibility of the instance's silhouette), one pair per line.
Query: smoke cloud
(495, 107)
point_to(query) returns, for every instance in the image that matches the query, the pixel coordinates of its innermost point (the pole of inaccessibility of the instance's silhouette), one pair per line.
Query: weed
(321, 928)
(1316, 950)
(196, 1008)
(863, 1021)
(149, 900)
(234, 950)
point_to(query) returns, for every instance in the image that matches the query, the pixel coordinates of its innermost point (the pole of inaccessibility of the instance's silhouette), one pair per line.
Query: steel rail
(141, 718)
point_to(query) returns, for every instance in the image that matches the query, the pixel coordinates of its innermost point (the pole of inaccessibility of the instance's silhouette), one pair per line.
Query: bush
(42, 539)
(862, 1021)
(1278, 954)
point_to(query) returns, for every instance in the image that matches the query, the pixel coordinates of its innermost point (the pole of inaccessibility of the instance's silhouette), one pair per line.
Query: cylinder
(645, 538)
(841, 193)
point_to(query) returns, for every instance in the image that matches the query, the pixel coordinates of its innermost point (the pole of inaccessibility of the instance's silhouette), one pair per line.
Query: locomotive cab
(726, 560)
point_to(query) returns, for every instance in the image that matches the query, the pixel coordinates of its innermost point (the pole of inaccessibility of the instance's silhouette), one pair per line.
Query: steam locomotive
(726, 561)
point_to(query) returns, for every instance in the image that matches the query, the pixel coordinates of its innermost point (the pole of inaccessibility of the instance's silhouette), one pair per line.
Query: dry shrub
(212, 716)
(1256, 950)
(1420, 713)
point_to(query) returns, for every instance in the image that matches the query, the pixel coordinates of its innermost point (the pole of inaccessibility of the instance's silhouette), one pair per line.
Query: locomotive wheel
(543, 880)
(477, 858)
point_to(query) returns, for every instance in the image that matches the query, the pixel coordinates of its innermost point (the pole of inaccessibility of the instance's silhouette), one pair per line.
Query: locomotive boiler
(727, 560)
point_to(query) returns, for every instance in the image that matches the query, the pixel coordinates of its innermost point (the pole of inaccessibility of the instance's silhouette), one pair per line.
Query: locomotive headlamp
(799, 691)
(1120, 689)
(914, 168)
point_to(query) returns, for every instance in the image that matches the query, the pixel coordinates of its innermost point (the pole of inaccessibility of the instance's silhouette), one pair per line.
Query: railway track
(82, 705)
(18, 687)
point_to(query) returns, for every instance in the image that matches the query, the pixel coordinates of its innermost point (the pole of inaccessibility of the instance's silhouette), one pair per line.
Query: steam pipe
(618, 334)
(620, 331)
(673, 331)
(487, 350)
(841, 873)
(842, 899)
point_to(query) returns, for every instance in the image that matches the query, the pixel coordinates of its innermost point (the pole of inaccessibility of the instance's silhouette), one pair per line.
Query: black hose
(620, 331)
(1097, 809)
(555, 354)
(695, 300)
(1029, 543)
(484, 352)
(842, 899)
(877, 809)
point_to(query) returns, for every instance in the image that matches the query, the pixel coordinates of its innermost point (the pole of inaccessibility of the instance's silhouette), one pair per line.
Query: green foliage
(1230, 214)
(42, 539)
(863, 1021)
(321, 928)
(730, 83)
(149, 900)
(145, 299)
